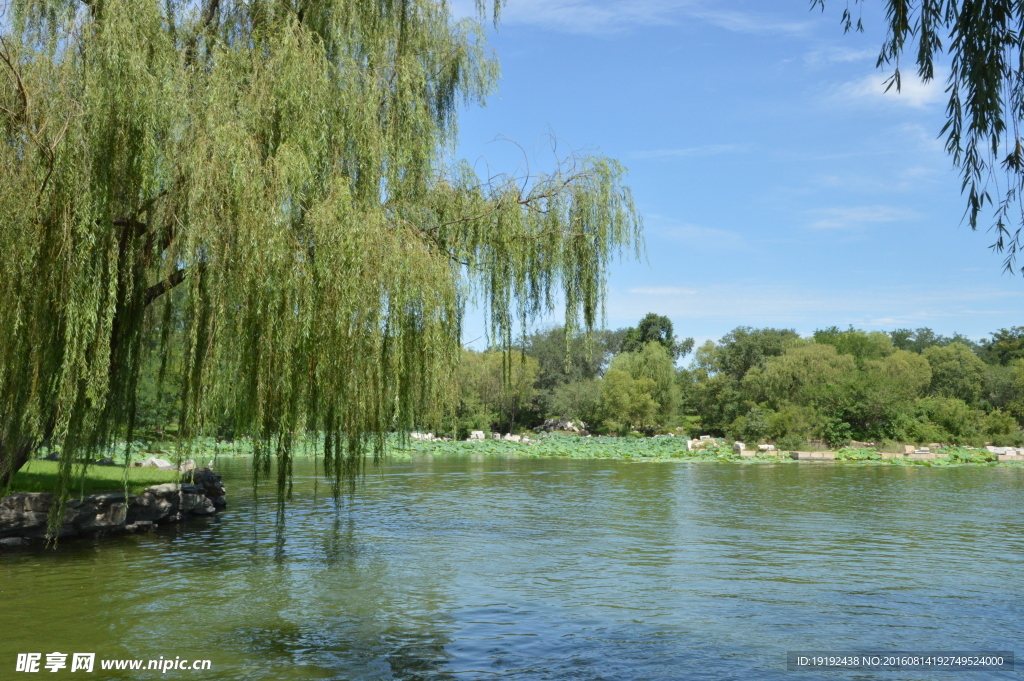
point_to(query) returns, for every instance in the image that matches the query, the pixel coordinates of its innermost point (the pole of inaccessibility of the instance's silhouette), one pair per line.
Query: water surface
(452, 568)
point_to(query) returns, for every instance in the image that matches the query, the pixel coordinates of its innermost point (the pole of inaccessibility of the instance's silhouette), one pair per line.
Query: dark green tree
(745, 347)
(655, 328)
(713, 391)
(1005, 346)
(919, 340)
(564, 360)
(956, 372)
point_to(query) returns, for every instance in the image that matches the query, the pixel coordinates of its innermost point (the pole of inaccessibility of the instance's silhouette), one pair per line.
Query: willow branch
(19, 84)
(160, 288)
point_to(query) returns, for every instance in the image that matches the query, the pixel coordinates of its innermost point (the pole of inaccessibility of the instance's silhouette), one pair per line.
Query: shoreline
(24, 516)
(673, 449)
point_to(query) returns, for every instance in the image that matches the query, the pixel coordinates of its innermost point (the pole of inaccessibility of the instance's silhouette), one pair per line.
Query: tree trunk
(12, 459)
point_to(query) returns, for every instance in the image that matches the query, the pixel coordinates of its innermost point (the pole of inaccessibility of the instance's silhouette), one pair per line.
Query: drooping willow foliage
(273, 177)
(984, 43)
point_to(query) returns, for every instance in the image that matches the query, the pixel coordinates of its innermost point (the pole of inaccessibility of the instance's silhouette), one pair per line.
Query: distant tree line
(754, 385)
(757, 385)
(838, 385)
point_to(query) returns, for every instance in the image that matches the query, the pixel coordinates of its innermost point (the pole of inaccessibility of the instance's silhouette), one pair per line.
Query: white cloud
(926, 140)
(693, 237)
(840, 55)
(584, 16)
(704, 150)
(757, 301)
(745, 22)
(613, 16)
(663, 291)
(913, 91)
(845, 218)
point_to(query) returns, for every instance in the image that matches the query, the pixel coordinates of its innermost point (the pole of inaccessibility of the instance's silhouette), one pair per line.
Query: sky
(778, 183)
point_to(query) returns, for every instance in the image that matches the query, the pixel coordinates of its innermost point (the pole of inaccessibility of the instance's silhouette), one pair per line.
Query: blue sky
(779, 185)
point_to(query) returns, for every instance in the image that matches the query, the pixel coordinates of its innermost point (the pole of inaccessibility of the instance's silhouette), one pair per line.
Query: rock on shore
(23, 515)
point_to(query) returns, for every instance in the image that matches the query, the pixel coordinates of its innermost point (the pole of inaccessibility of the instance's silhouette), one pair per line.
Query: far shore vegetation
(764, 385)
(854, 392)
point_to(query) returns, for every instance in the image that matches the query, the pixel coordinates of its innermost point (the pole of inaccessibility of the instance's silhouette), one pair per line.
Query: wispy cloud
(926, 140)
(856, 216)
(703, 150)
(913, 91)
(878, 184)
(585, 16)
(663, 291)
(693, 237)
(928, 316)
(840, 55)
(747, 22)
(757, 301)
(615, 16)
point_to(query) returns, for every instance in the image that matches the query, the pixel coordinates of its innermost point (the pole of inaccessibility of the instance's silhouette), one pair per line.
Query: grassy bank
(41, 476)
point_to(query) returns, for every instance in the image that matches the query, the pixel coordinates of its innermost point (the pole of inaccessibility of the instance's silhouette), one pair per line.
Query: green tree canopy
(580, 400)
(1005, 346)
(654, 363)
(714, 392)
(813, 375)
(956, 372)
(626, 402)
(884, 395)
(745, 347)
(655, 328)
(565, 359)
(919, 340)
(862, 345)
(495, 388)
(285, 168)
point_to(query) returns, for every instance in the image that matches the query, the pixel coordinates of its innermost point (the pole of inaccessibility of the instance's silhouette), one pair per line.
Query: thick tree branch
(139, 227)
(160, 288)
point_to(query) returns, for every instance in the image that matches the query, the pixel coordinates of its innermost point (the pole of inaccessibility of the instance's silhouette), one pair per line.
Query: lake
(455, 568)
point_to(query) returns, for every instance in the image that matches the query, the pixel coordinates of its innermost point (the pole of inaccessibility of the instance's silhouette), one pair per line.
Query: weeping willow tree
(983, 41)
(275, 176)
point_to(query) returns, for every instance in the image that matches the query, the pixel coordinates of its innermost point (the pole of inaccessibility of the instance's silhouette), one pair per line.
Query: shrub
(836, 433)
(791, 442)
(755, 425)
(1000, 425)
(953, 419)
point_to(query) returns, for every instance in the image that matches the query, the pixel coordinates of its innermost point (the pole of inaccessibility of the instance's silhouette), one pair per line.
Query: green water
(545, 569)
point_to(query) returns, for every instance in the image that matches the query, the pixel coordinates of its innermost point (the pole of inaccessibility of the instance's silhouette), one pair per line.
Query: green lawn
(41, 476)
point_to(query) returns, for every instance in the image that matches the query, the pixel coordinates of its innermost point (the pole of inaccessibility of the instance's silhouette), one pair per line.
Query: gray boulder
(207, 481)
(561, 424)
(25, 515)
(153, 506)
(197, 504)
